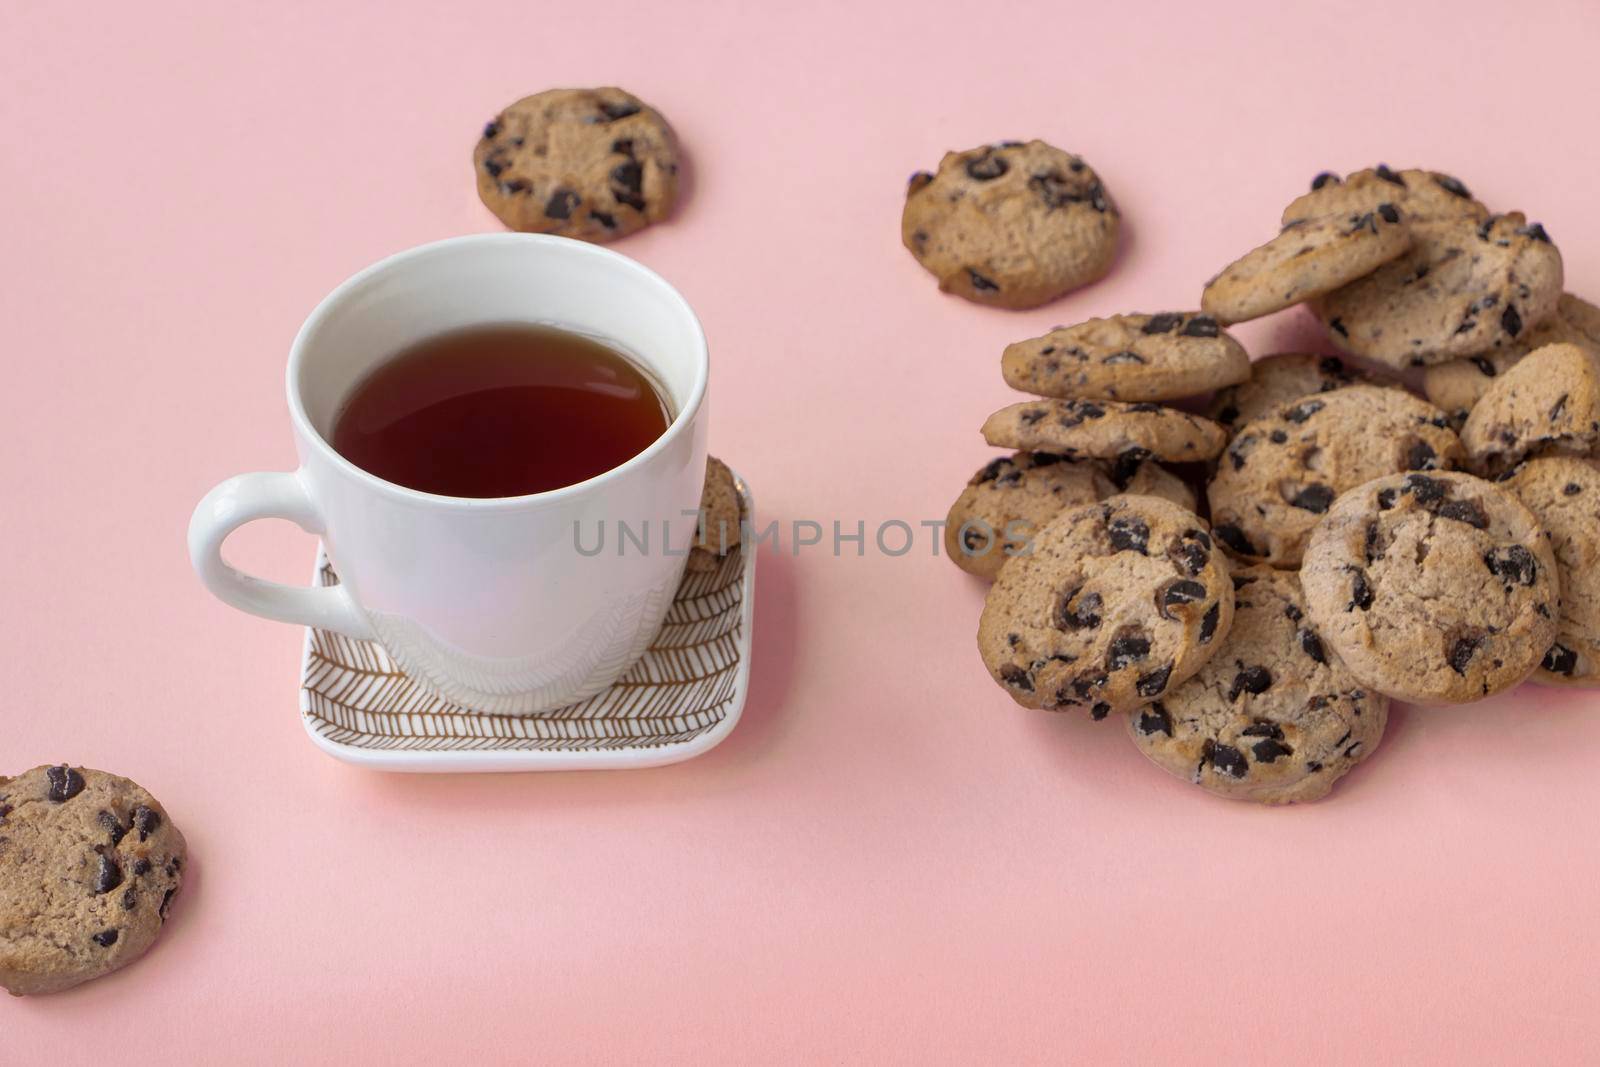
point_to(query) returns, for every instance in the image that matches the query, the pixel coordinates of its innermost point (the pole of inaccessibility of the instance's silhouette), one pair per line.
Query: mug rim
(565, 246)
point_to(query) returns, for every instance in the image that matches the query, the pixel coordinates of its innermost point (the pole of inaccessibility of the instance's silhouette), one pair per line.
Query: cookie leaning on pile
(1422, 580)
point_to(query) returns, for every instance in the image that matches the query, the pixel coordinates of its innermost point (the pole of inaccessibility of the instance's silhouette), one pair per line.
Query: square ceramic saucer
(681, 699)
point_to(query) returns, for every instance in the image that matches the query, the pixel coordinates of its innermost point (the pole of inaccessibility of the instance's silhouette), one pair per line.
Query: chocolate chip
(623, 147)
(1126, 649)
(1099, 711)
(1452, 186)
(141, 866)
(627, 182)
(1234, 538)
(1182, 591)
(516, 185)
(1254, 680)
(1311, 645)
(491, 130)
(1154, 683)
(1535, 231)
(494, 166)
(5, 809)
(1323, 179)
(65, 783)
(1129, 534)
(146, 821)
(1303, 411)
(992, 470)
(1512, 563)
(1426, 491)
(1484, 366)
(105, 938)
(1510, 321)
(561, 204)
(1571, 489)
(1466, 511)
(1269, 749)
(1313, 498)
(166, 899)
(1421, 456)
(1388, 175)
(1360, 591)
(1263, 728)
(1016, 677)
(1278, 437)
(613, 112)
(918, 181)
(980, 283)
(1461, 653)
(1560, 660)
(987, 167)
(130, 900)
(1086, 616)
(1337, 326)
(1201, 326)
(108, 823)
(1152, 720)
(1388, 213)
(1226, 759)
(1369, 544)
(1190, 553)
(1164, 322)
(107, 876)
(1387, 498)
(1208, 623)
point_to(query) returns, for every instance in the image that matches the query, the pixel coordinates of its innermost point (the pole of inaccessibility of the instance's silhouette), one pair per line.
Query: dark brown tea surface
(500, 410)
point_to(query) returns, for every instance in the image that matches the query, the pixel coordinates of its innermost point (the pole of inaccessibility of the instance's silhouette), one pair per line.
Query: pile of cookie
(1251, 586)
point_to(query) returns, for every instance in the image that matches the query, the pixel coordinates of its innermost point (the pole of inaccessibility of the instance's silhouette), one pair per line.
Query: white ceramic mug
(488, 602)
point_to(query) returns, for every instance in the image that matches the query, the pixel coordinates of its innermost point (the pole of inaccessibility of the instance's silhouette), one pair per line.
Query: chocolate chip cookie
(1433, 588)
(1128, 357)
(1274, 717)
(1012, 498)
(1104, 429)
(1563, 492)
(89, 863)
(1464, 288)
(1548, 401)
(718, 532)
(1425, 196)
(1282, 471)
(1309, 258)
(595, 164)
(1286, 376)
(1457, 385)
(1117, 602)
(1011, 224)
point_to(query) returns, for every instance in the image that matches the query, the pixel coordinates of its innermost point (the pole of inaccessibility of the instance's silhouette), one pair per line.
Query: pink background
(887, 861)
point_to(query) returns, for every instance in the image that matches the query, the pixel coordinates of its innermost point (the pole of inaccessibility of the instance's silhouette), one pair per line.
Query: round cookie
(1128, 357)
(1117, 602)
(718, 531)
(89, 863)
(1309, 258)
(1282, 471)
(1563, 492)
(1274, 717)
(1464, 288)
(1012, 224)
(1012, 498)
(1433, 588)
(1550, 400)
(595, 164)
(1457, 385)
(1424, 196)
(1286, 376)
(1104, 429)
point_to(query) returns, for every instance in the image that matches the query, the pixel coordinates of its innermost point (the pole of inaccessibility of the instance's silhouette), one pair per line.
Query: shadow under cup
(504, 605)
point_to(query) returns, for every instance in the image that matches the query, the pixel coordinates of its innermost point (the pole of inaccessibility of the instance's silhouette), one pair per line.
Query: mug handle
(267, 495)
